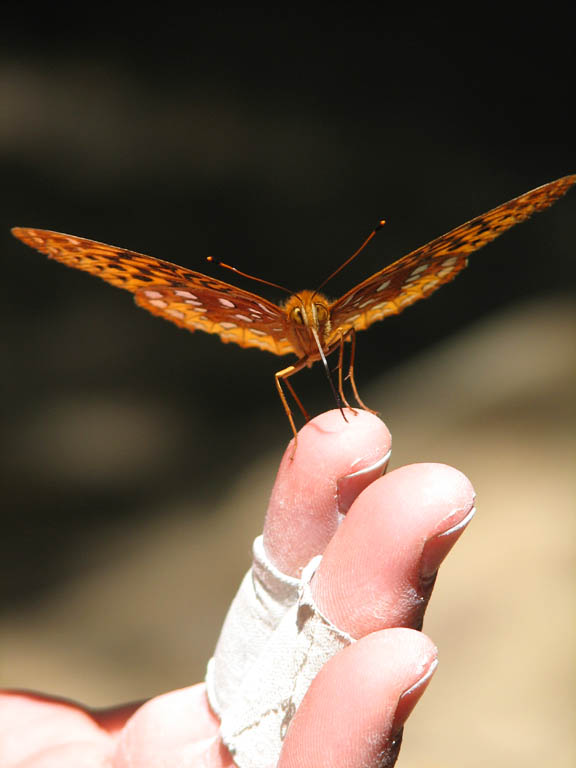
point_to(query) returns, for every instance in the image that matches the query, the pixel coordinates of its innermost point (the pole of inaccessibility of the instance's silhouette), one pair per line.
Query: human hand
(374, 582)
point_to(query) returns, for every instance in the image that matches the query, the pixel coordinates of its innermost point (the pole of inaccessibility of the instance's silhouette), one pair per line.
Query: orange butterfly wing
(195, 301)
(189, 299)
(210, 305)
(424, 270)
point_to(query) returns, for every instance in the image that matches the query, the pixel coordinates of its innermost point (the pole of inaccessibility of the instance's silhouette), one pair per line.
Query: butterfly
(308, 324)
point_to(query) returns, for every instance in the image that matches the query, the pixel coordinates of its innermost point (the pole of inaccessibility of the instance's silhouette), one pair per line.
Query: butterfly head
(308, 315)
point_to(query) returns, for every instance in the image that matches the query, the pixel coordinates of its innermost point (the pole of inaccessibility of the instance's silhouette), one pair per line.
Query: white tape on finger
(253, 727)
(264, 596)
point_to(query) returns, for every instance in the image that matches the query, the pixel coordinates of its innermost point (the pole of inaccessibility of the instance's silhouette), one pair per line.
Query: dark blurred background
(134, 454)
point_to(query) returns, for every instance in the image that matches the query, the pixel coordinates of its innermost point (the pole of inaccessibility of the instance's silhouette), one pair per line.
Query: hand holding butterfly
(374, 582)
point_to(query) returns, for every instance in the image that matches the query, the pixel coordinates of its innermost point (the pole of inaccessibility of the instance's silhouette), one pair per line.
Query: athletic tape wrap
(263, 598)
(273, 643)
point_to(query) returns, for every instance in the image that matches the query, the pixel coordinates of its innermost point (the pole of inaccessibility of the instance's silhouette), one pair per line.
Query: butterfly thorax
(308, 323)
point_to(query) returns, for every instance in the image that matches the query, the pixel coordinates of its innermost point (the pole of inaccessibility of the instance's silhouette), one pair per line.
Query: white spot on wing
(266, 309)
(186, 294)
(227, 303)
(153, 294)
(228, 325)
(383, 285)
(244, 319)
(159, 303)
(176, 313)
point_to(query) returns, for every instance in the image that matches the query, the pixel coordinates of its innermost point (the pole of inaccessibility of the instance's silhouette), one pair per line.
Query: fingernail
(406, 703)
(350, 486)
(438, 546)
(409, 699)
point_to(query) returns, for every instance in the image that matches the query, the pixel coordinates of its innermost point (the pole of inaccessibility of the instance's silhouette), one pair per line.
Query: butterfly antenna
(351, 258)
(250, 277)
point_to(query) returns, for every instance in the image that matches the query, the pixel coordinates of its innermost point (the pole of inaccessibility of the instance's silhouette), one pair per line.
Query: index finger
(334, 461)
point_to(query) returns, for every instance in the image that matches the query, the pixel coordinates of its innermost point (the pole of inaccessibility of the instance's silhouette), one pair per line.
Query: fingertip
(398, 658)
(333, 462)
(436, 489)
(349, 439)
(369, 687)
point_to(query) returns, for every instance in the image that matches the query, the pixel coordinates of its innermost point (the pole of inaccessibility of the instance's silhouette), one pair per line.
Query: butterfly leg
(303, 410)
(283, 375)
(350, 375)
(340, 367)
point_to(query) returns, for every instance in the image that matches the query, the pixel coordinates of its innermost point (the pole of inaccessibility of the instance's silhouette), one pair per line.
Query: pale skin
(399, 527)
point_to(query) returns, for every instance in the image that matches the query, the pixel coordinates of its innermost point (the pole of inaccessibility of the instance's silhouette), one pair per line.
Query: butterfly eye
(297, 316)
(321, 314)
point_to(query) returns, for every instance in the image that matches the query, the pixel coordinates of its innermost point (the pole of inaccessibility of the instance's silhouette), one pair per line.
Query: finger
(334, 461)
(33, 725)
(379, 569)
(353, 713)
(176, 729)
